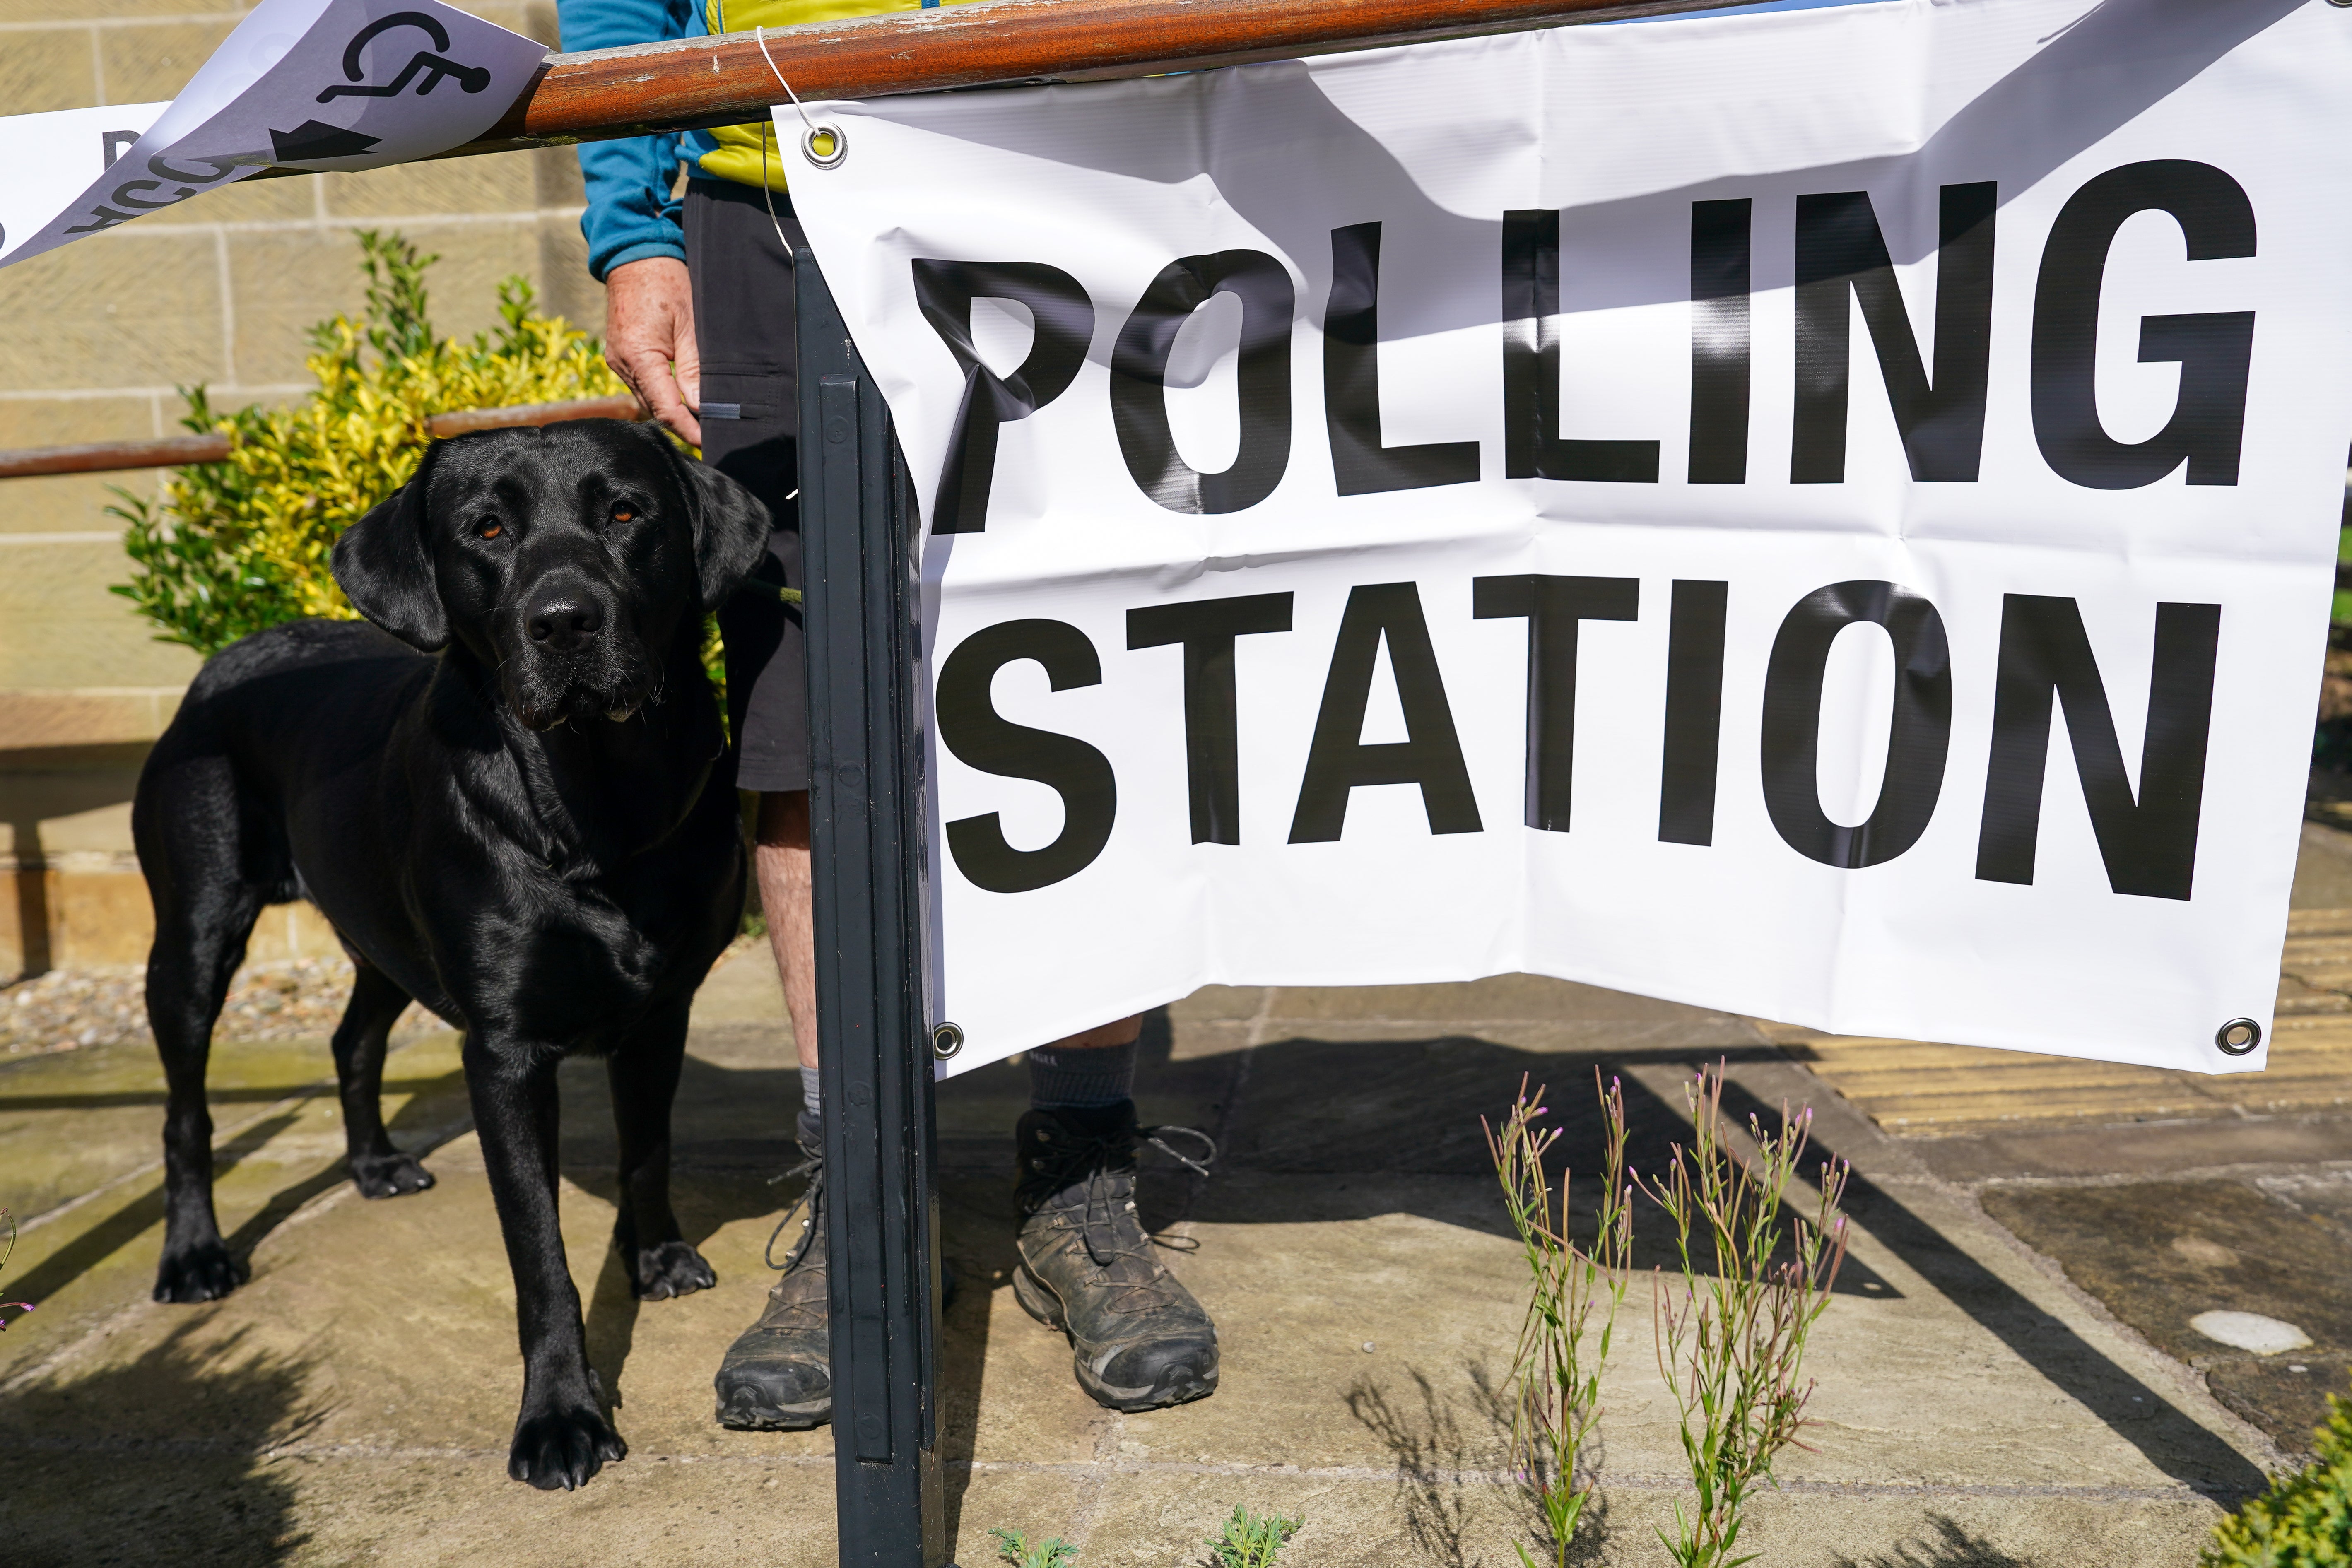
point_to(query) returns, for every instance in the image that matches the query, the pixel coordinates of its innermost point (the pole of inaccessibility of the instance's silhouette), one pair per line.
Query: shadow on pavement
(1413, 1108)
(2158, 1253)
(979, 1251)
(248, 1094)
(2138, 1414)
(190, 1498)
(126, 1224)
(1440, 1467)
(1953, 1547)
(419, 1126)
(1432, 1456)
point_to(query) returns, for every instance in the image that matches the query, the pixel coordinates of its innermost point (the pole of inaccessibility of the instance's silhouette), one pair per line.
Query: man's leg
(779, 857)
(778, 1375)
(1138, 1339)
(1080, 1136)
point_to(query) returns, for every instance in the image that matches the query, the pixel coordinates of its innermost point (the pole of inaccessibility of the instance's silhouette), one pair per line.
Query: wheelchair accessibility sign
(307, 84)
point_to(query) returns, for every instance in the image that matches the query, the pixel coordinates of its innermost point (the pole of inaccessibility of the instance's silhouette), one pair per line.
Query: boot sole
(1038, 1300)
(775, 1419)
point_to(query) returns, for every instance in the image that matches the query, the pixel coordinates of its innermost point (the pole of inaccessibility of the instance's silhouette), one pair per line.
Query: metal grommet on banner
(2239, 1037)
(824, 146)
(946, 1041)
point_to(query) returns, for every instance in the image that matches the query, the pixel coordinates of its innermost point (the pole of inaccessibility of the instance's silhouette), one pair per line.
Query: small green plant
(5, 1253)
(2304, 1521)
(1555, 1376)
(236, 546)
(1251, 1540)
(1731, 1331)
(1013, 1549)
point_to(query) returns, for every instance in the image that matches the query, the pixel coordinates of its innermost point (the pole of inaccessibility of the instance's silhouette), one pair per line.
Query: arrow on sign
(312, 140)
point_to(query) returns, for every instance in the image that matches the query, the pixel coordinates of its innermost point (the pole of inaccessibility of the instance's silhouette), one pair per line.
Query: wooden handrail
(178, 451)
(620, 405)
(106, 456)
(695, 83)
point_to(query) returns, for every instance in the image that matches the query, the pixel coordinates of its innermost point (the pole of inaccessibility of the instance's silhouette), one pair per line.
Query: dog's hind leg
(378, 1169)
(643, 1077)
(204, 910)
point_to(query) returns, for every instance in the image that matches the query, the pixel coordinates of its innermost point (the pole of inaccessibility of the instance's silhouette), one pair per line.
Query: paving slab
(350, 1405)
(2162, 1254)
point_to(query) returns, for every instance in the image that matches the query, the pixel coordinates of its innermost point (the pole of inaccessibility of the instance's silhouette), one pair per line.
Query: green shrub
(235, 546)
(2304, 1521)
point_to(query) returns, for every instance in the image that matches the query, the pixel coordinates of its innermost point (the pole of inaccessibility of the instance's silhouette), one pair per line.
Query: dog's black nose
(564, 621)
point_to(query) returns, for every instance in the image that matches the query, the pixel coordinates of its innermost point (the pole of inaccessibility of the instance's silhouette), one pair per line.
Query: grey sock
(1081, 1079)
(812, 1096)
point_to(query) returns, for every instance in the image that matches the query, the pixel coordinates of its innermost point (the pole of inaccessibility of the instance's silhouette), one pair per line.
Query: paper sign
(1828, 516)
(305, 84)
(53, 158)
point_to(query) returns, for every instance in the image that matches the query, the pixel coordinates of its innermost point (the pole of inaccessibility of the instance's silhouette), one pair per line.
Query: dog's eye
(625, 514)
(488, 529)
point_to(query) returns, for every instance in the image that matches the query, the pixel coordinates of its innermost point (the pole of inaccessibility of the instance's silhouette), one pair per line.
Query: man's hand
(649, 339)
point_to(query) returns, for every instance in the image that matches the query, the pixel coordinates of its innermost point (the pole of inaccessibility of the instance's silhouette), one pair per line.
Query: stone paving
(1983, 1402)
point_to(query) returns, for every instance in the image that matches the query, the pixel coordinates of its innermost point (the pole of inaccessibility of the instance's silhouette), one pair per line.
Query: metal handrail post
(866, 829)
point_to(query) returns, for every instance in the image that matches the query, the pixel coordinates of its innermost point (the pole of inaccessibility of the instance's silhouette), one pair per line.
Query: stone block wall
(95, 341)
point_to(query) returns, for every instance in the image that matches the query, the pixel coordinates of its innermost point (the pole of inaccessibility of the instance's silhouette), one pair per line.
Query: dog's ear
(386, 571)
(730, 526)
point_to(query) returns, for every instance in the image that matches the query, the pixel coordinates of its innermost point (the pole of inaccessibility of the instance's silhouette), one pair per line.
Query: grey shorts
(743, 324)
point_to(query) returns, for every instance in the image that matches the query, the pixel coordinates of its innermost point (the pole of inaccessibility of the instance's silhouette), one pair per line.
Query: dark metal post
(866, 829)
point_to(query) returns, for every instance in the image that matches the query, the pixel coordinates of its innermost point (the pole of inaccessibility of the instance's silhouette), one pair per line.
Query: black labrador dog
(513, 802)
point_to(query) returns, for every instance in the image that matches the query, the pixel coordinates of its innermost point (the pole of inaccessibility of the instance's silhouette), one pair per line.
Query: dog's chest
(617, 943)
(580, 961)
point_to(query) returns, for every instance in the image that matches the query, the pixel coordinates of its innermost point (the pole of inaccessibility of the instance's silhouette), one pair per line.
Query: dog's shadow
(433, 1113)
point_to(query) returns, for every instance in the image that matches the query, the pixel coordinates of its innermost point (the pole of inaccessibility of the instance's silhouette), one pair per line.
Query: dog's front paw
(672, 1269)
(388, 1175)
(564, 1448)
(205, 1272)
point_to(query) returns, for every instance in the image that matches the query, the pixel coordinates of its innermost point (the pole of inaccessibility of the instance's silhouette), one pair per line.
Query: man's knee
(1124, 1032)
(783, 822)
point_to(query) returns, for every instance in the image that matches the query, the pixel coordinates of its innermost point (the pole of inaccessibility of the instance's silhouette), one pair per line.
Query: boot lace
(812, 1200)
(1109, 1182)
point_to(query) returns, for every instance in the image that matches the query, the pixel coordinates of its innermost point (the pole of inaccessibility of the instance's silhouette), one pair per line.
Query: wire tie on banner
(824, 146)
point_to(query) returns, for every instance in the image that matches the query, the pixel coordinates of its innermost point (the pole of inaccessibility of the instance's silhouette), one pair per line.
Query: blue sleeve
(631, 214)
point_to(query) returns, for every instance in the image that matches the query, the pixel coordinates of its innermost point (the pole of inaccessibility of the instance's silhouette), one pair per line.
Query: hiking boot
(1138, 1339)
(778, 1375)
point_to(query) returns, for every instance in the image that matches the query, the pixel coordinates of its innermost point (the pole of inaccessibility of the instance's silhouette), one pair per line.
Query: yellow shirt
(748, 154)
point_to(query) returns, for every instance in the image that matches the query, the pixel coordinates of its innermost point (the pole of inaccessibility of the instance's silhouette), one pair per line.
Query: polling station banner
(298, 84)
(1828, 516)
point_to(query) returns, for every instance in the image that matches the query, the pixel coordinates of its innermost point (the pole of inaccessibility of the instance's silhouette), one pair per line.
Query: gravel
(66, 1010)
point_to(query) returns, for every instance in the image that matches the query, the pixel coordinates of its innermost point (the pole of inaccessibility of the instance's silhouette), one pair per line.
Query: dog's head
(566, 558)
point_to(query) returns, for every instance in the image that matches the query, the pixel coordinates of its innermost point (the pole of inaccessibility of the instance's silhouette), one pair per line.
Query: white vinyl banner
(303, 84)
(1828, 515)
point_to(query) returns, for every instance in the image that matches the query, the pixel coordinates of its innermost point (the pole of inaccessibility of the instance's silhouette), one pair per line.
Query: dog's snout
(564, 621)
